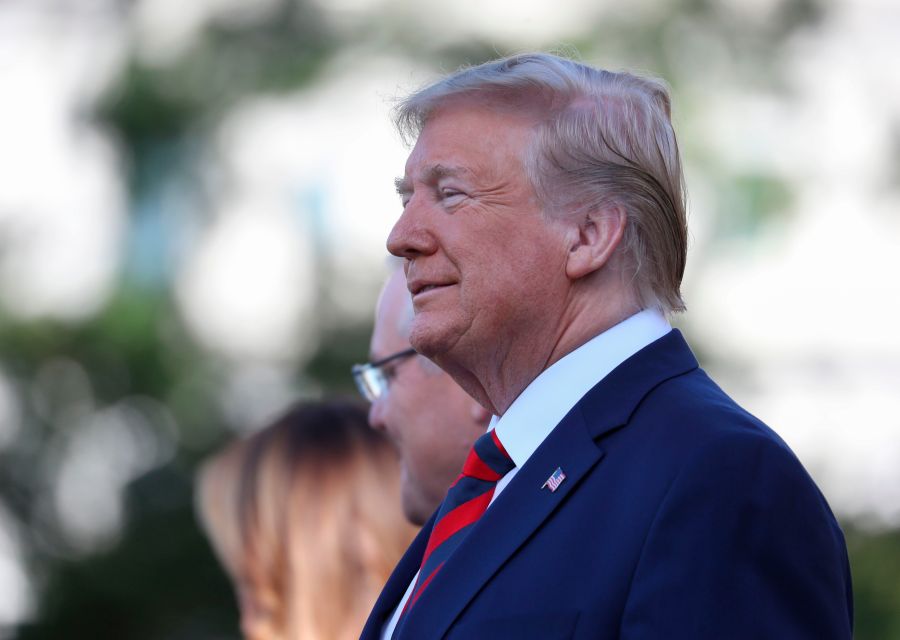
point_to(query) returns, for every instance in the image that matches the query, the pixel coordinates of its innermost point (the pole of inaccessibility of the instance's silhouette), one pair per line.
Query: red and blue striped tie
(466, 500)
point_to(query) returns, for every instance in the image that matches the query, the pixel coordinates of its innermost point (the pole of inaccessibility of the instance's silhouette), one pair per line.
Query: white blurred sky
(807, 311)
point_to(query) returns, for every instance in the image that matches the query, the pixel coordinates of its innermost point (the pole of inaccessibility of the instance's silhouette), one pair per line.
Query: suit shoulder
(689, 422)
(693, 409)
(714, 440)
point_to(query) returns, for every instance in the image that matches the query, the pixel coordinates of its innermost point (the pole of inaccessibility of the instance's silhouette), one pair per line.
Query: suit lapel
(575, 446)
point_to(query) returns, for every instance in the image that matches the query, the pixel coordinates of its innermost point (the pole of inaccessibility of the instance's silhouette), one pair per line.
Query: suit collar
(612, 401)
(552, 394)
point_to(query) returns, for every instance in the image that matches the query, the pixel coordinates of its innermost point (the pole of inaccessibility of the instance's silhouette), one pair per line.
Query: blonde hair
(601, 139)
(305, 516)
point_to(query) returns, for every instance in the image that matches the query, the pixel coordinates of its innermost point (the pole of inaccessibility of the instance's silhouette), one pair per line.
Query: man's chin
(431, 336)
(413, 507)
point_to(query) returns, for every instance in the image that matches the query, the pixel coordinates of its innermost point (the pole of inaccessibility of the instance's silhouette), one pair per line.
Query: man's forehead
(391, 331)
(386, 341)
(465, 142)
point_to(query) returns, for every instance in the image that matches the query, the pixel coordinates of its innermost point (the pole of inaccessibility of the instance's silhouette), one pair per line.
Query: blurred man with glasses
(430, 418)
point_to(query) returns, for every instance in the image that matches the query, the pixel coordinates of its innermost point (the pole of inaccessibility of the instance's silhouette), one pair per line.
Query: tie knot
(488, 459)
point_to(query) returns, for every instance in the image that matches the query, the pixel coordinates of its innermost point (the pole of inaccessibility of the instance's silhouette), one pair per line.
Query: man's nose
(376, 414)
(411, 236)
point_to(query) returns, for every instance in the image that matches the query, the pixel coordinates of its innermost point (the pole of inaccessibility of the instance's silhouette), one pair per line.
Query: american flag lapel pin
(554, 480)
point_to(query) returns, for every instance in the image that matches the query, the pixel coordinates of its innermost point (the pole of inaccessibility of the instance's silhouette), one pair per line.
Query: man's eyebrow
(438, 171)
(402, 185)
(432, 174)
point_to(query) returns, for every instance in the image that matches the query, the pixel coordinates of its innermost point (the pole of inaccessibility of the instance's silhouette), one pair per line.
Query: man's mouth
(418, 288)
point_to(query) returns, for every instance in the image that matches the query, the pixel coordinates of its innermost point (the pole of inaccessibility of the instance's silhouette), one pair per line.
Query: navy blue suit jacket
(681, 516)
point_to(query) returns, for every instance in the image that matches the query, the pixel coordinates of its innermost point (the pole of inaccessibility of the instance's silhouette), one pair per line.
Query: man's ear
(479, 414)
(598, 234)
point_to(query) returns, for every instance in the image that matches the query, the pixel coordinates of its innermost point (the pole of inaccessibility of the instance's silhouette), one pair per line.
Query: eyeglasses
(372, 378)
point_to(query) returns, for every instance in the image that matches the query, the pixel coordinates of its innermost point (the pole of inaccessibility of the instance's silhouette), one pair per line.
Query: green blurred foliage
(160, 581)
(875, 563)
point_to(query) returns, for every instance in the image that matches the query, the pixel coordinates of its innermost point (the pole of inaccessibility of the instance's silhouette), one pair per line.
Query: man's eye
(389, 372)
(448, 194)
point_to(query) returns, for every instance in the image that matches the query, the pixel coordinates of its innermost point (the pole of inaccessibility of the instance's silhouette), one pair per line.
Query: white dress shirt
(540, 407)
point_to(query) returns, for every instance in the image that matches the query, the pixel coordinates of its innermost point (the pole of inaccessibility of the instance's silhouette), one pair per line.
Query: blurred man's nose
(376, 415)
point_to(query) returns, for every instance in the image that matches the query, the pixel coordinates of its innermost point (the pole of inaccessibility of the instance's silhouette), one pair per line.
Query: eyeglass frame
(370, 378)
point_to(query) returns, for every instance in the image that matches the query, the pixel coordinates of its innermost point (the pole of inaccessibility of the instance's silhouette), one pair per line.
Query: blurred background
(194, 199)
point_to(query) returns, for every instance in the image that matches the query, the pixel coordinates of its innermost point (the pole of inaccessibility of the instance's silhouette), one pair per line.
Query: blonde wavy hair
(305, 516)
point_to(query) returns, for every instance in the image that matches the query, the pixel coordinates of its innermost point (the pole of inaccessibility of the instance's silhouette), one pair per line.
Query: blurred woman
(305, 516)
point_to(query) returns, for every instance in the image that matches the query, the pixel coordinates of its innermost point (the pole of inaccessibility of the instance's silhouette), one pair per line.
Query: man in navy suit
(624, 494)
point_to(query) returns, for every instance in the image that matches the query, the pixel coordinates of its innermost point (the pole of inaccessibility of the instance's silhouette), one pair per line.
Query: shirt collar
(550, 396)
